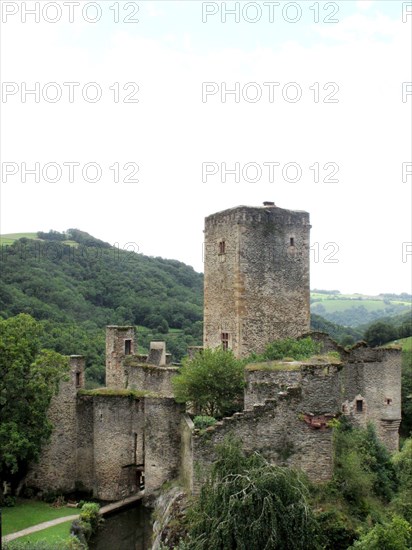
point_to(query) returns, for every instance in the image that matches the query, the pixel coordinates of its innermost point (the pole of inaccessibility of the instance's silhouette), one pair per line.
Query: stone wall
(278, 431)
(371, 388)
(145, 377)
(367, 388)
(186, 453)
(317, 382)
(85, 444)
(257, 282)
(57, 465)
(120, 342)
(118, 445)
(162, 441)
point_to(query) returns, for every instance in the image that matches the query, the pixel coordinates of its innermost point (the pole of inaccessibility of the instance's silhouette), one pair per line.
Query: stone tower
(120, 341)
(256, 277)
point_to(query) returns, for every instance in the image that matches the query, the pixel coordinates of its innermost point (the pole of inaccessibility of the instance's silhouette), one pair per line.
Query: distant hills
(353, 310)
(76, 284)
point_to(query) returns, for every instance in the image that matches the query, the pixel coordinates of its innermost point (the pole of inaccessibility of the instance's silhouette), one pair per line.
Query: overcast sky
(319, 119)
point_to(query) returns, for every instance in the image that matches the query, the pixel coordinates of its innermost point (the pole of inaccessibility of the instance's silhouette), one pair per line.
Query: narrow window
(222, 246)
(225, 340)
(135, 448)
(77, 379)
(127, 347)
(359, 405)
(389, 401)
(292, 241)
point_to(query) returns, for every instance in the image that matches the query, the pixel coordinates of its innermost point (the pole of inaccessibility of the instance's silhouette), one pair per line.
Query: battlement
(258, 214)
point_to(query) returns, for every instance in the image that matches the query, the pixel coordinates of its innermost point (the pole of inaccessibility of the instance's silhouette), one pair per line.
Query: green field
(31, 512)
(342, 305)
(9, 238)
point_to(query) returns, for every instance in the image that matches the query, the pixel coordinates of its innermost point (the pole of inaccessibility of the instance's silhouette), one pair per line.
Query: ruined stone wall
(56, 469)
(116, 351)
(318, 383)
(367, 388)
(258, 289)
(162, 441)
(85, 444)
(262, 385)
(276, 429)
(371, 388)
(141, 376)
(186, 455)
(118, 441)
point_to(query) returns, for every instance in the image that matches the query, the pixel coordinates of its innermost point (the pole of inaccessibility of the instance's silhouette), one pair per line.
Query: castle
(111, 441)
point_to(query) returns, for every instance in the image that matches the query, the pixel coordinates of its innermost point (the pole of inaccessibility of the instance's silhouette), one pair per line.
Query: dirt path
(40, 526)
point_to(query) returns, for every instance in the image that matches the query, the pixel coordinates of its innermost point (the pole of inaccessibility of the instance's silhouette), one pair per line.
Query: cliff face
(168, 527)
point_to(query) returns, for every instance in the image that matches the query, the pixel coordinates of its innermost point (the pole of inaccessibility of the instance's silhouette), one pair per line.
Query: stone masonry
(256, 277)
(108, 441)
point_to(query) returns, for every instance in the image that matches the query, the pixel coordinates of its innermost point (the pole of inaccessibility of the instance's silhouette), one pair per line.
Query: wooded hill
(76, 284)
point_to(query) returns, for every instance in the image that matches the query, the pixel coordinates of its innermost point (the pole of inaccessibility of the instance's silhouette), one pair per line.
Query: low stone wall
(278, 430)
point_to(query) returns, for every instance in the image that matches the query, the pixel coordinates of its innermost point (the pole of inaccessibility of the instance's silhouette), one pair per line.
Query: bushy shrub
(290, 348)
(203, 422)
(336, 531)
(212, 382)
(88, 522)
(9, 501)
(71, 543)
(90, 514)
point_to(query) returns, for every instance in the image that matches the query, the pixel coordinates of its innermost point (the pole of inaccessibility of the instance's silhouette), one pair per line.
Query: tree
(29, 377)
(380, 333)
(212, 382)
(403, 467)
(248, 503)
(396, 535)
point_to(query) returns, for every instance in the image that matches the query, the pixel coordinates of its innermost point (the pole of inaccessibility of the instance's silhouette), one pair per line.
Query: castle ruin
(111, 441)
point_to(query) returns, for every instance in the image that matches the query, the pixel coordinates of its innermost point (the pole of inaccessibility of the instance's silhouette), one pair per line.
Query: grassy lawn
(52, 534)
(30, 512)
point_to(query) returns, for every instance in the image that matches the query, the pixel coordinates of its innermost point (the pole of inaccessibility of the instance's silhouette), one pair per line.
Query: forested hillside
(76, 285)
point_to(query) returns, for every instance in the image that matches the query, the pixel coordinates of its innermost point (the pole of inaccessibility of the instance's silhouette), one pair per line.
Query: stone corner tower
(256, 277)
(120, 341)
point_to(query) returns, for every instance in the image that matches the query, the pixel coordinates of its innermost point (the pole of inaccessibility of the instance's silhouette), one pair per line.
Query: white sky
(170, 132)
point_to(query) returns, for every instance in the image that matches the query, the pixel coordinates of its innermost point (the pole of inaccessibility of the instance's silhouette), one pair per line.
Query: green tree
(406, 424)
(396, 535)
(29, 377)
(212, 382)
(380, 333)
(403, 467)
(363, 467)
(248, 503)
